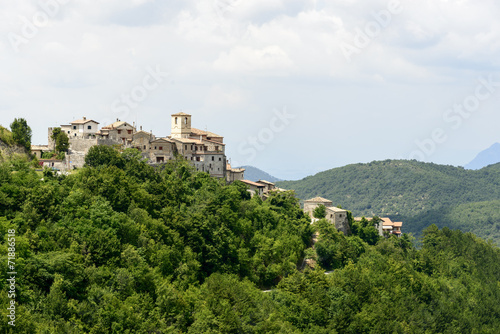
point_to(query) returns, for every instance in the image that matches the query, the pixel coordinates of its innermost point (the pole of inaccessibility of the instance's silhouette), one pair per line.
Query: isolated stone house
(334, 215)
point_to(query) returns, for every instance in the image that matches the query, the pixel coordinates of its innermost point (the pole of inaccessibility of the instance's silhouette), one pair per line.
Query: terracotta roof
(398, 224)
(83, 121)
(319, 199)
(181, 114)
(187, 140)
(266, 182)
(255, 184)
(387, 222)
(115, 125)
(199, 132)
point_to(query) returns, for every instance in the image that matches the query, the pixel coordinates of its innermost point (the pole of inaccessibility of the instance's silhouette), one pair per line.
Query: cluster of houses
(205, 150)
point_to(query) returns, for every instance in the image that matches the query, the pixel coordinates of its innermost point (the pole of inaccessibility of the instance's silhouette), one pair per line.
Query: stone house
(254, 187)
(334, 215)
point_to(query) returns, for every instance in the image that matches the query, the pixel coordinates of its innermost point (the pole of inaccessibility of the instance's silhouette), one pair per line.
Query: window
(119, 131)
(176, 120)
(197, 158)
(196, 148)
(213, 158)
(191, 147)
(75, 134)
(160, 148)
(129, 132)
(69, 132)
(220, 159)
(89, 127)
(74, 127)
(185, 147)
(144, 146)
(185, 120)
(155, 147)
(216, 148)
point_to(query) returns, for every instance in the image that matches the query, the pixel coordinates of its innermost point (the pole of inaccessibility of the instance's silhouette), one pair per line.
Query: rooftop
(255, 184)
(83, 121)
(198, 132)
(319, 199)
(181, 114)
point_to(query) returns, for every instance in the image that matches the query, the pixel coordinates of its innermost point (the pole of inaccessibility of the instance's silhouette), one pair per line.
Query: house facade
(336, 216)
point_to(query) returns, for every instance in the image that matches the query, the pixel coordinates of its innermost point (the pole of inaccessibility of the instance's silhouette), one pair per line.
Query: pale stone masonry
(203, 149)
(336, 216)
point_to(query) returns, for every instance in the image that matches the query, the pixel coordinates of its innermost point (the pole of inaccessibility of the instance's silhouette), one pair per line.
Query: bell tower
(181, 125)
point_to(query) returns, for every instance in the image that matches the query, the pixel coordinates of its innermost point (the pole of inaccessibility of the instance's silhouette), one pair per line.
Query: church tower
(181, 125)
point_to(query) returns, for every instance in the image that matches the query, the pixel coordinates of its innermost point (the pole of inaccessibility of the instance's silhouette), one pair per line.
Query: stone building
(334, 215)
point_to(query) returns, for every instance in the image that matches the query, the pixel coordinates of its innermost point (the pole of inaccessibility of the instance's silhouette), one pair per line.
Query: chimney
(84, 118)
(141, 127)
(117, 120)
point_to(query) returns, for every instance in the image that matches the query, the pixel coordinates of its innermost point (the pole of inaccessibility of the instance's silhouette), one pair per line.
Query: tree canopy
(121, 247)
(21, 133)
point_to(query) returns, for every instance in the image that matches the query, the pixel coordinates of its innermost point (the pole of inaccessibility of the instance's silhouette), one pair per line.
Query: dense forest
(417, 193)
(121, 247)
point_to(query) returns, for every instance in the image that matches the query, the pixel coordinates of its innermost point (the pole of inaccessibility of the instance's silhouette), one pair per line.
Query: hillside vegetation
(417, 193)
(121, 247)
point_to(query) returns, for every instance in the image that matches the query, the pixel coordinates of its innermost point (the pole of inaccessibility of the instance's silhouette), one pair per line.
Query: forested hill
(121, 247)
(417, 193)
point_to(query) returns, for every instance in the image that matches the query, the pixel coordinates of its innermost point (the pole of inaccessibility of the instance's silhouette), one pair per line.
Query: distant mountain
(416, 193)
(256, 174)
(487, 157)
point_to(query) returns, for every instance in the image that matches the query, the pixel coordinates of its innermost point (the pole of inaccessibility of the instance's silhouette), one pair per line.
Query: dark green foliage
(21, 133)
(319, 212)
(416, 193)
(125, 248)
(61, 139)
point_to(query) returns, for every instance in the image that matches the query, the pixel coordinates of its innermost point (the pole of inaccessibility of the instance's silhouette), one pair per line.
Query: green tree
(320, 212)
(21, 133)
(102, 155)
(61, 139)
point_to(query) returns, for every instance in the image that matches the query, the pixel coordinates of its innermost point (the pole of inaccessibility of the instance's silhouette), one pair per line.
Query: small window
(197, 158)
(220, 159)
(216, 148)
(161, 148)
(89, 127)
(196, 148)
(185, 120)
(185, 147)
(213, 158)
(155, 147)
(176, 120)
(144, 146)
(75, 134)
(74, 127)
(119, 131)
(129, 132)
(69, 132)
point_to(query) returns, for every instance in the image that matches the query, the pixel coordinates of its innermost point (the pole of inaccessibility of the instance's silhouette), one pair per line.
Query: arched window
(185, 120)
(176, 120)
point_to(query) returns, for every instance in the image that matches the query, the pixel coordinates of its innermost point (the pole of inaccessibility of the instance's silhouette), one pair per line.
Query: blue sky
(295, 87)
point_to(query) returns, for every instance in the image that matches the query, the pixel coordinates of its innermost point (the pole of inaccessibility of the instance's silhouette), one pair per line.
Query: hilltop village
(205, 150)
